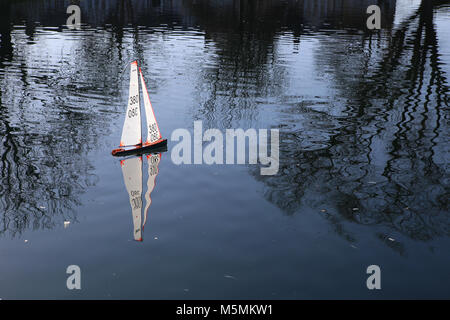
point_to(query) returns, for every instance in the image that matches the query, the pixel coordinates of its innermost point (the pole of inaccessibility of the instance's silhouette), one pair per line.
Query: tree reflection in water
(379, 158)
(385, 162)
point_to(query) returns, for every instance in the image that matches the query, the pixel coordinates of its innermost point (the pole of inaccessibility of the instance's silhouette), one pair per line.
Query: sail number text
(133, 112)
(136, 200)
(153, 132)
(134, 99)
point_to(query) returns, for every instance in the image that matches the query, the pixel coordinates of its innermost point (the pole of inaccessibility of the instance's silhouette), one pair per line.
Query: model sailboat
(131, 140)
(132, 176)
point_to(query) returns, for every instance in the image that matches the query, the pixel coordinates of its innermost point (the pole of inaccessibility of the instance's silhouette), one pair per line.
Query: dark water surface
(363, 119)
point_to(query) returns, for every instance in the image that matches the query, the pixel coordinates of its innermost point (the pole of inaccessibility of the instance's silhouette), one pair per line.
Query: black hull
(154, 148)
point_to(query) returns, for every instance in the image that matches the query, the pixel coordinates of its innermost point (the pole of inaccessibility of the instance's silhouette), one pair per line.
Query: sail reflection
(153, 161)
(132, 176)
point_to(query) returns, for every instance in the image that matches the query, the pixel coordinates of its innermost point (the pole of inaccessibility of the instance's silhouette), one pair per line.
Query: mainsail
(132, 175)
(153, 133)
(131, 132)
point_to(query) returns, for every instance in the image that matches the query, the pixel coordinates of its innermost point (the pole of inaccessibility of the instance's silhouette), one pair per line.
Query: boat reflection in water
(132, 176)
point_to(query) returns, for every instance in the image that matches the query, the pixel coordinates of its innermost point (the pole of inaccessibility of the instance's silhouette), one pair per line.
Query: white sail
(132, 176)
(153, 133)
(153, 162)
(131, 132)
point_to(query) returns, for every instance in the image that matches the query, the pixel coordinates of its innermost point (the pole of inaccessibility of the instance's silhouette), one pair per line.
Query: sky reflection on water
(363, 120)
